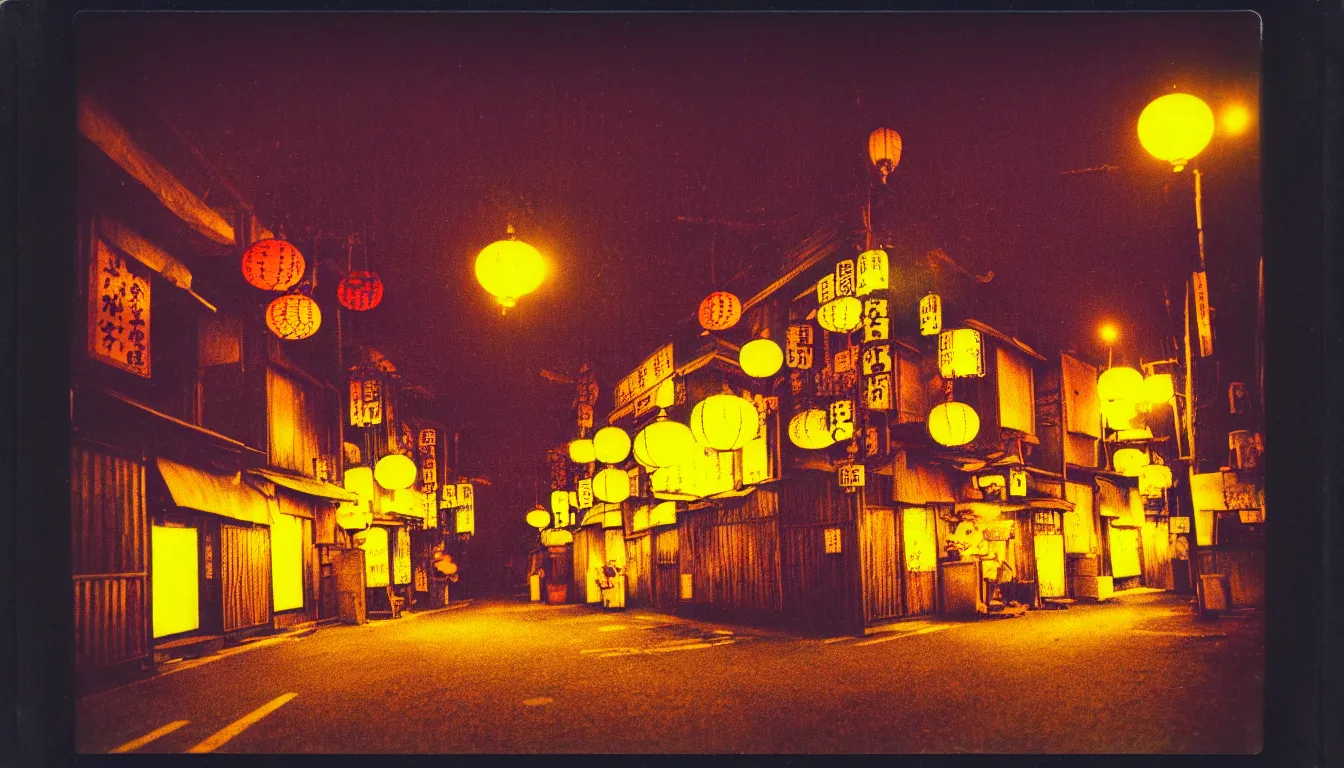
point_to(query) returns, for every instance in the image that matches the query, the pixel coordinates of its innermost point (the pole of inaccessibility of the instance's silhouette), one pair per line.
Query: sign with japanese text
(366, 399)
(466, 495)
(960, 353)
(429, 467)
(466, 520)
(877, 359)
(851, 476)
(832, 539)
(846, 280)
(649, 374)
(558, 464)
(826, 290)
(448, 498)
(873, 271)
(844, 360)
(930, 315)
(1202, 317)
(374, 543)
(118, 313)
(421, 579)
(431, 509)
(798, 350)
(585, 416)
(876, 321)
(401, 557)
(877, 391)
(842, 420)
(585, 491)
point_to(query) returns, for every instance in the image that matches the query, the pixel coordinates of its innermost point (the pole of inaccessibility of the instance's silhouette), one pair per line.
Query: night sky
(598, 132)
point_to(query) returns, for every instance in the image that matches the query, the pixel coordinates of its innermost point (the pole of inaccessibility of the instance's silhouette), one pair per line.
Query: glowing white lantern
(582, 452)
(811, 430)
(611, 445)
(1120, 383)
(724, 422)
(841, 315)
(953, 424)
(873, 272)
(760, 358)
(612, 485)
(1129, 461)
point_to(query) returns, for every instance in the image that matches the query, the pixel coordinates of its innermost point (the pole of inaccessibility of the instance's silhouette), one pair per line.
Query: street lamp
(1109, 333)
(508, 269)
(1175, 128)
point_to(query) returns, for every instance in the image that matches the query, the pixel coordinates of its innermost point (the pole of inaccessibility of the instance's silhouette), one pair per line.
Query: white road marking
(898, 636)
(538, 701)
(223, 735)
(830, 640)
(153, 735)
(697, 645)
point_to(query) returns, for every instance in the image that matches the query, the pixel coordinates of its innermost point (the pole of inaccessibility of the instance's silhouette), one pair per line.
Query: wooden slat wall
(294, 421)
(1157, 554)
(813, 499)
(817, 593)
(108, 556)
(666, 572)
(921, 587)
(879, 557)
(245, 568)
(734, 566)
(639, 570)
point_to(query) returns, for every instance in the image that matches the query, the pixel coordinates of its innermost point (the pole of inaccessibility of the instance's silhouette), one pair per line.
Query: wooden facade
(731, 550)
(245, 576)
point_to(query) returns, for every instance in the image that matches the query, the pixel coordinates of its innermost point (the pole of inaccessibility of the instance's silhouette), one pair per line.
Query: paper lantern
(960, 353)
(611, 485)
(395, 472)
(293, 316)
(664, 443)
(953, 424)
(873, 272)
(1153, 479)
(841, 315)
(811, 429)
(582, 451)
(508, 269)
(1175, 128)
(556, 538)
(559, 503)
(273, 265)
(720, 311)
(360, 291)
(884, 150)
(611, 445)
(724, 422)
(664, 513)
(1158, 389)
(930, 315)
(1120, 383)
(1128, 461)
(1119, 414)
(760, 358)
(538, 518)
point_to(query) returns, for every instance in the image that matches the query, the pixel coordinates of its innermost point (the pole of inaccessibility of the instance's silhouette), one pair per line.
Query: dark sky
(599, 131)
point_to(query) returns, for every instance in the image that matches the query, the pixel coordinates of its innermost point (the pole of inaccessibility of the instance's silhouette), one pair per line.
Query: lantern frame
(261, 258)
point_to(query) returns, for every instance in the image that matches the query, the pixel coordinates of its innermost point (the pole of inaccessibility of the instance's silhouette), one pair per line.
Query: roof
(224, 495)
(307, 485)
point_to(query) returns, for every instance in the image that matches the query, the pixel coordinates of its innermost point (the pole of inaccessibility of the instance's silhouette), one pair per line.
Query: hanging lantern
(582, 451)
(873, 272)
(559, 504)
(760, 358)
(930, 315)
(960, 353)
(395, 472)
(1120, 383)
(841, 315)
(811, 429)
(611, 485)
(611, 445)
(724, 422)
(556, 538)
(1175, 128)
(293, 316)
(508, 269)
(1128, 461)
(884, 149)
(953, 424)
(1158, 389)
(360, 291)
(664, 443)
(1119, 414)
(273, 265)
(720, 311)
(538, 518)
(1153, 479)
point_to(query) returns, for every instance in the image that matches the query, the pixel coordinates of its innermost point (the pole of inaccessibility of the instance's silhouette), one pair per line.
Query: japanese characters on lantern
(799, 349)
(118, 313)
(876, 320)
(930, 315)
(366, 398)
(960, 353)
(826, 290)
(846, 279)
(429, 468)
(720, 311)
(872, 269)
(842, 420)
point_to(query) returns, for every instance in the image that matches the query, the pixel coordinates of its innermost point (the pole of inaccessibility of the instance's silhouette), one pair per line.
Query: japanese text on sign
(877, 392)
(449, 499)
(832, 538)
(851, 476)
(798, 353)
(842, 420)
(845, 279)
(930, 315)
(844, 360)
(1202, 319)
(873, 272)
(585, 491)
(876, 321)
(877, 359)
(825, 290)
(960, 353)
(118, 313)
(649, 374)
(366, 399)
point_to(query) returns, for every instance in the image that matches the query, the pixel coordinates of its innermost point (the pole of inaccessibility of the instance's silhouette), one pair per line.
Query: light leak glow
(1236, 119)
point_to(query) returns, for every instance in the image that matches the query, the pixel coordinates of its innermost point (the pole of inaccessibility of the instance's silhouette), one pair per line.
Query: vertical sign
(851, 476)
(876, 320)
(872, 272)
(845, 278)
(1202, 320)
(449, 496)
(401, 557)
(930, 315)
(374, 544)
(429, 467)
(366, 398)
(431, 509)
(466, 508)
(832, 541)
(825, 290)
(960, 353)
(585, 487)
(559, 469)
(842, 420)
(798, 353)
(118, 313)
(877, 392)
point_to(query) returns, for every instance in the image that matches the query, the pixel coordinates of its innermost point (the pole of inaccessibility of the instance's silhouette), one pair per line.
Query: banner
(118, 313)
(649, 374)
(1202, 319)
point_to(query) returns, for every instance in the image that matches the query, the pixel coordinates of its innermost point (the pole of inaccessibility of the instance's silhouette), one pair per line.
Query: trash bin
(1215, 593)
(613, 597)
(556, 593)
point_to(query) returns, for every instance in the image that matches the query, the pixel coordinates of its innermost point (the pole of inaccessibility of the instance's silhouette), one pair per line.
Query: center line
(222, 736)
(153, 735)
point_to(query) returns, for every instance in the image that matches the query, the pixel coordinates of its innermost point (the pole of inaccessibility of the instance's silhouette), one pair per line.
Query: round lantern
(884, 149)
(293, 316)
(508, 269)
(273, 265)
(953, 424)
(664, 443)
(720, 311)
(611, 445)
(611, 485)
(811, 429)
(1129, 461)
(724, 422)
(559, 503)
(556, 538)
(1175, 128)
(841, 315)
(582, 452)
(760, 358)
(1154, 478)
(1119, 414)
(1120, 383)
(395, 472)
(538, 518)
(1158, 389)
(360, 291)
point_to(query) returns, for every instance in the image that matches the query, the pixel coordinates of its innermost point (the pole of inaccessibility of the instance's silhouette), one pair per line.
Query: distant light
(1236, 119)
(1175, 128)
(1109, 333)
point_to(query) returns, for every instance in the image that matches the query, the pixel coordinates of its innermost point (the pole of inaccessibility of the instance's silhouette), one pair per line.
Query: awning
(920, 484)
(224, 495)
(596, 513)
(308, 485)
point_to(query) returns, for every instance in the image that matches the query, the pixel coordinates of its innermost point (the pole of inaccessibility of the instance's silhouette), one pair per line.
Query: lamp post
(1109, 333)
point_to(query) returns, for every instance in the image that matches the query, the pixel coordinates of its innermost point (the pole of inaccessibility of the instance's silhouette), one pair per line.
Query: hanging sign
(401, 557)
(877, 392)
(585, 491)
(366, 399)
(431, 509)
(832, 539)
(877, 359)
(825, 290)
(585, 416)
(429, 467)
(842, 420)
(844, 360)
(845, 278)
(851, 476)
(648, 375)
(448, 498)
(798, 352)
(466, 519)
(930, 315)
(374, 543)
(1202, 318)
(873, 272)
(118, 313)
(1017, 482)
(876, 320)
(960, 353)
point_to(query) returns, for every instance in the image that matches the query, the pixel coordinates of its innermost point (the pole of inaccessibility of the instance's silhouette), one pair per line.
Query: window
(174, 558)
(287, 562)
(1017, 401)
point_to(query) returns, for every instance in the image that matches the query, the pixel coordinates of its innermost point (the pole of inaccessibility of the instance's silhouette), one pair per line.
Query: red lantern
(720, 311)
(360, 291)
(273, 265)
(293, 316)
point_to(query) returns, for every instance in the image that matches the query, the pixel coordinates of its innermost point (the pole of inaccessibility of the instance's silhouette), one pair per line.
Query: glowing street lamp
(1175, 128)
(1108, 333)
(508, 269)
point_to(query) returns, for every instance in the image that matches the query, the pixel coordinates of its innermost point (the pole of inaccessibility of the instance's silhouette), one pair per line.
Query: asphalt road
(1140, 674)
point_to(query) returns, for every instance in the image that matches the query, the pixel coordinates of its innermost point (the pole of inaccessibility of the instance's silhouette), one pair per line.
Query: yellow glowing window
(287, 562)
(174, 558)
